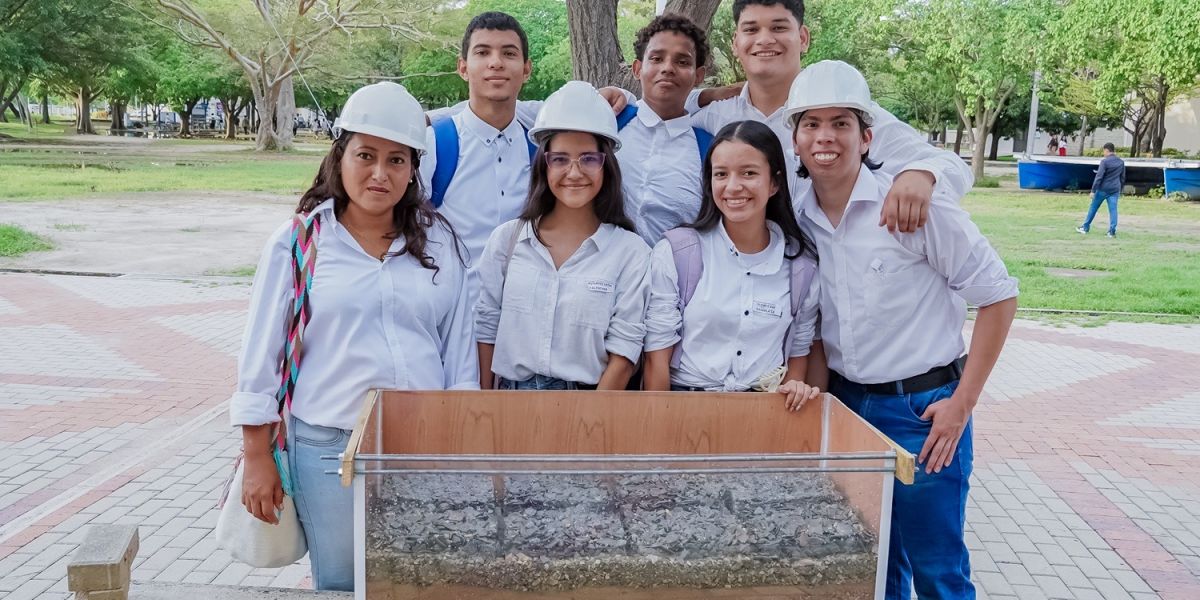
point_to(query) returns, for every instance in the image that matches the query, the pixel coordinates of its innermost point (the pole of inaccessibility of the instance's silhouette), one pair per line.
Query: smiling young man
(769, 41)
(485, 182)
(661, 154)
(892, 308)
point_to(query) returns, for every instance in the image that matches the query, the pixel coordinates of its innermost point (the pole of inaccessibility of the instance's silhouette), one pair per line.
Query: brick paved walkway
(112, 399)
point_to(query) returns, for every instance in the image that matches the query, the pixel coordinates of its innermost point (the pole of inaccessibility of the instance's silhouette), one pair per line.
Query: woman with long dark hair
(733, 297)
(562, 288)
(385, 306)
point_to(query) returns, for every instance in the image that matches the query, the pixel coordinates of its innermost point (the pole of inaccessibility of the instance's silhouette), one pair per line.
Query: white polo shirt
(390, 324)
(893, 304)
(660, 172)
(562, 322)
(895, 144)
(491, 182)
(735, 324)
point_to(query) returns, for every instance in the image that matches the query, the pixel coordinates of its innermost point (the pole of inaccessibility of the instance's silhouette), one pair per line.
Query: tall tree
(271, 41)
(596, 55)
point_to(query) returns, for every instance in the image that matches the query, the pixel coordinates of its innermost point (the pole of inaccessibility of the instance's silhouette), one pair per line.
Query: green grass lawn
(45, 174)
(1152, 266)
(15, 241)
(55, 129)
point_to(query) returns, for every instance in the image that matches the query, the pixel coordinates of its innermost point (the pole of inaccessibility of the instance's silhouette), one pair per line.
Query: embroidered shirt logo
(600, 286)
(766, 309)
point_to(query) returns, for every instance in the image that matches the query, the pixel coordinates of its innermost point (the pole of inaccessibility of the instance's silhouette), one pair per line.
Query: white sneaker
(1111, 235)
(1081, 230)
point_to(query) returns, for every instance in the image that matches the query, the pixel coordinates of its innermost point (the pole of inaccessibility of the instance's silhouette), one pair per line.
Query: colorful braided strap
(305, 230)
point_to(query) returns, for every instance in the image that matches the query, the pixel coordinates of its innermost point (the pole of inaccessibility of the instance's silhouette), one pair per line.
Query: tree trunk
(958, 135)
(995, 150)
(1083, 131)
(231, 108)
(46, 109)
(595, 50)
(117, 110)
(285, 114)
(83, 110)
(1160, 122)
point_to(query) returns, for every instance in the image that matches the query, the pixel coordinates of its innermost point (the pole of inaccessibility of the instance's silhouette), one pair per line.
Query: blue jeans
(325, 508)
(542, 382)
(1098, 198)
(927, 550)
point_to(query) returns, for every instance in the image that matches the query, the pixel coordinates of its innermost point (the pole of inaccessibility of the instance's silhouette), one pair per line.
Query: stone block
(103, 560)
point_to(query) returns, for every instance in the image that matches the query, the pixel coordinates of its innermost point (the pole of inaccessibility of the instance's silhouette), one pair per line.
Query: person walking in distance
(1110, 180)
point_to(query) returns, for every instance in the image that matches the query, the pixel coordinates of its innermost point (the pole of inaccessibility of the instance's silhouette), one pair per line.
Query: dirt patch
(1185, 246)
(1076, 273)
(164, 233)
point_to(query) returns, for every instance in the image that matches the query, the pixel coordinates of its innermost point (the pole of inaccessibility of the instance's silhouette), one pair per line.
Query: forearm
(657, 375)
(486, 379)
(817, 374)
(616, 375)
(256, 439)
(797, 369)
(987, 340)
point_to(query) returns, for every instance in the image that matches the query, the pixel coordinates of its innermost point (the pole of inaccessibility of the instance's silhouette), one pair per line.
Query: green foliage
(15, 241)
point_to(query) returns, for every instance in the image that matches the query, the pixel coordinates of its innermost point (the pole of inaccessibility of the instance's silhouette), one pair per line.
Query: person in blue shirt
(1110, 179)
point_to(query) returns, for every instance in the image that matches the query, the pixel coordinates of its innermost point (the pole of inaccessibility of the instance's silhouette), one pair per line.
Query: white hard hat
(576, 106)
(385, 110)
(828, 84)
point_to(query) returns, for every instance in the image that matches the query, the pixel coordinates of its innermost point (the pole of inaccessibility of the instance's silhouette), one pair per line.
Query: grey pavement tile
(233, 574)
(1016, 574)
(177, 570)
(1036, 564)
(32, 589)
(1073, 577)
(1131, 581)
(1029, 592)
(1000, 552)
(1019, 543)
(1111, 590)
(1053, 587)
(1091, 567)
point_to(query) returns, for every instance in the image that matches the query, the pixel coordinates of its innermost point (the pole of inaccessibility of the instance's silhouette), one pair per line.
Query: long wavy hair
(609, 203)
(779, 205)
(412, 216)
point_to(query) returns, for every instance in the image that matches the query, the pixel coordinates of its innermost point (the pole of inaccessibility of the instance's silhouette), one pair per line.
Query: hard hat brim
(382, 132)
(537, 135)
(788, 113)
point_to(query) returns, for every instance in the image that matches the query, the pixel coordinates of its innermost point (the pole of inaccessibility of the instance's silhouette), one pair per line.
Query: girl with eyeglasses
(563, 287)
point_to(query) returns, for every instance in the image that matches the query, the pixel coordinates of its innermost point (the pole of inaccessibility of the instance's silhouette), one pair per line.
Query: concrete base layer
(184, 591)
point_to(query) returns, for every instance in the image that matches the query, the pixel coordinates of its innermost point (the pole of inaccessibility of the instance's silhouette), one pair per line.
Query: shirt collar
(769, 261)
(866, 189)
(488, 134)
(675, 127)
(602, 238)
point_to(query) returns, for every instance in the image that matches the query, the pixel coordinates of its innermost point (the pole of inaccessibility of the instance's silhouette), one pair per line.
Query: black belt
(934, 378)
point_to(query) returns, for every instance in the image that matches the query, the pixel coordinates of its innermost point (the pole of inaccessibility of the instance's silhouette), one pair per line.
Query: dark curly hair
(412, 216)
(678, 24)
(796, 7)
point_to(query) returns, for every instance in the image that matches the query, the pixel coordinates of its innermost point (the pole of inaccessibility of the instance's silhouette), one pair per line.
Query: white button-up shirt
(660, 172)
(491, 182)
(893, 304)
(735, 324)
(562, 322)
(895, 144)
(390, 324)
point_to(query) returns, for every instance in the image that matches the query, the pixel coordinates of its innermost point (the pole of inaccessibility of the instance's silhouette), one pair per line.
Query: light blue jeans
(325, 508)
(927, 550)
(1097, 199)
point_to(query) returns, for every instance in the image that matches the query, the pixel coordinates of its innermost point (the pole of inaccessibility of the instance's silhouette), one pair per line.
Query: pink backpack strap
(802, 270)
(689, 266)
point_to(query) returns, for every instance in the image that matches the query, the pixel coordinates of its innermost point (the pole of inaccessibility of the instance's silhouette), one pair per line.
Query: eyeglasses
(589, 162)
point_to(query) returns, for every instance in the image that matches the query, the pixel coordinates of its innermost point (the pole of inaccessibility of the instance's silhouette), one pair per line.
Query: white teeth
(825, 156)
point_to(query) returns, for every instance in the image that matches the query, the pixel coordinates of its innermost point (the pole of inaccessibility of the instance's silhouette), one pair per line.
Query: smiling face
(375, 173)
(742, 182)
(574, 168)
(769, 42)
(494, 68)
(668, 71)
(831, 143)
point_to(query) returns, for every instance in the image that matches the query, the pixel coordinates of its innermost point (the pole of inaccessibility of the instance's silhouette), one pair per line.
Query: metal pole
(660, 6)
(1033, 115)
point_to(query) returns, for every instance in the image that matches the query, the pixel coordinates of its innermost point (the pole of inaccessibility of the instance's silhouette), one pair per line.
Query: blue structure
(1046, 175)
(1182, 179)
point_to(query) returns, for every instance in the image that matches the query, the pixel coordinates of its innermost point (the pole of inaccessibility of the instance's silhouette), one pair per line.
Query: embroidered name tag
(766, 309)
(600, 286)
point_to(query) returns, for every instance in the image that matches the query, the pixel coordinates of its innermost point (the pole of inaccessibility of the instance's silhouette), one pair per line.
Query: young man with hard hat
(562, 288)
(769, 41)
(893, 307)
(389, 282)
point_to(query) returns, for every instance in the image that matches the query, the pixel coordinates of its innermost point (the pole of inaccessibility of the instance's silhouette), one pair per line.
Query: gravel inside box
(547, 532)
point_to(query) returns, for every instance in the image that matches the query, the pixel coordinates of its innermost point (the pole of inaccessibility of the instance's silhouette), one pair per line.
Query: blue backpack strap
(802, 269)
(528, 142)
(626, 115)
(445, 135)
(689, 267)
(703, 142)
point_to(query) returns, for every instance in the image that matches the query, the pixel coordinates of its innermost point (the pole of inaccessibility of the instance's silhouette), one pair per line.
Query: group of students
(559, 245)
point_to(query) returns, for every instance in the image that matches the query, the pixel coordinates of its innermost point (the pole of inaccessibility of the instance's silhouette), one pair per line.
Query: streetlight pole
(1033, 115)
(660, 6)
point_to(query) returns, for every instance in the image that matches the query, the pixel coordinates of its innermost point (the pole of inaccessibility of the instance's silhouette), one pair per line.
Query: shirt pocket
(520, 288)
(889, 293)
(592, 300)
